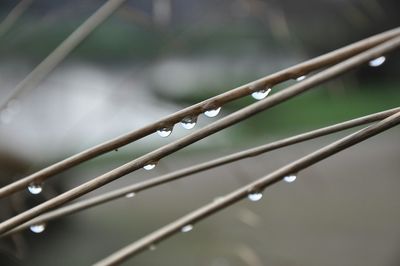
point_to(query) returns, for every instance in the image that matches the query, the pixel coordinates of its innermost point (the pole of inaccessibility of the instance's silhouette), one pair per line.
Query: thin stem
(135, 188)
(63, 50)
(258, 185)
(210, 129)
(217, 101)
(13, 16)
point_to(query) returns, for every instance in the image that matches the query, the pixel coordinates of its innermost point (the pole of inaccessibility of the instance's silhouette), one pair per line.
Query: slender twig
(13, 16)
(256, 186)
(67, 46)
(135, 188)
(210, 129)
(217, 101)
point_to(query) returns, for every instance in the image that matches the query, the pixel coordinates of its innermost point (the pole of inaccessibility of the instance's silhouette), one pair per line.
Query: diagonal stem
(217, 101)
(141, 186)
(212, 128)
(258, 185)
(40, 72)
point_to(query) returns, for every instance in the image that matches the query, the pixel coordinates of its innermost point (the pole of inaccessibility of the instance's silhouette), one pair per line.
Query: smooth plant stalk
(237, 195)
(13, 16)
(135, 188)
(208, 130)
(217, 101)
(40, 72)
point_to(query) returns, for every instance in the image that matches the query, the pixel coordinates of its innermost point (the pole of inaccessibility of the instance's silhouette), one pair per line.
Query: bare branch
(210, 129)
(217, 101)
(256, 186)
(135, 188)
(13, 16)
(67, 46)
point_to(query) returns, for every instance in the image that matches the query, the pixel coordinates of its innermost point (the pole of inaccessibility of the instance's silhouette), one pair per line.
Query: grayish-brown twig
(13, 16)
(256, 186)
(57, 56)
(210, 129)
(217, 101)
(135, 188)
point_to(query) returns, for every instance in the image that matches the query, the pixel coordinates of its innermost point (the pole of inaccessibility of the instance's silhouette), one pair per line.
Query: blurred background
(152, 58)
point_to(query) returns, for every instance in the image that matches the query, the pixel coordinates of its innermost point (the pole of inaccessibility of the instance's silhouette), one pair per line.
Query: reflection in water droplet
(301, 78)
(377, 61)
(164, 132)
(37, 228)
(187, 228)
(152, 247)
(130, 195)
(149, 166)
(35, 188)
(290, 178)
(259, 95)
(255, 196)
(188, 122)
(213, 112)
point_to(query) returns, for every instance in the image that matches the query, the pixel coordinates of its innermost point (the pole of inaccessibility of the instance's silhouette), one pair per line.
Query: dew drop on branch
(130, 195)
(164, 132)
(188, 122)
(255, 196)
(35, 188)
(149, 166)
(213, 112)
(37, 228)
(290, 178)
(187, 228)
(261, 94)
(301, 78)
(377, 61)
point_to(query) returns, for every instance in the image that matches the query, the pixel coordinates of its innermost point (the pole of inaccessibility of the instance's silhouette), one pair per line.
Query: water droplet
(37, 228)
(377, 61)
(130, 195)
(152, 247)
(187, 228)
(188, 122)
(301, 78)
(164, 132)
(290, 178)
(255, 196)
(259, 95)
(213, 112)
(149, 166)
(35, 188)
